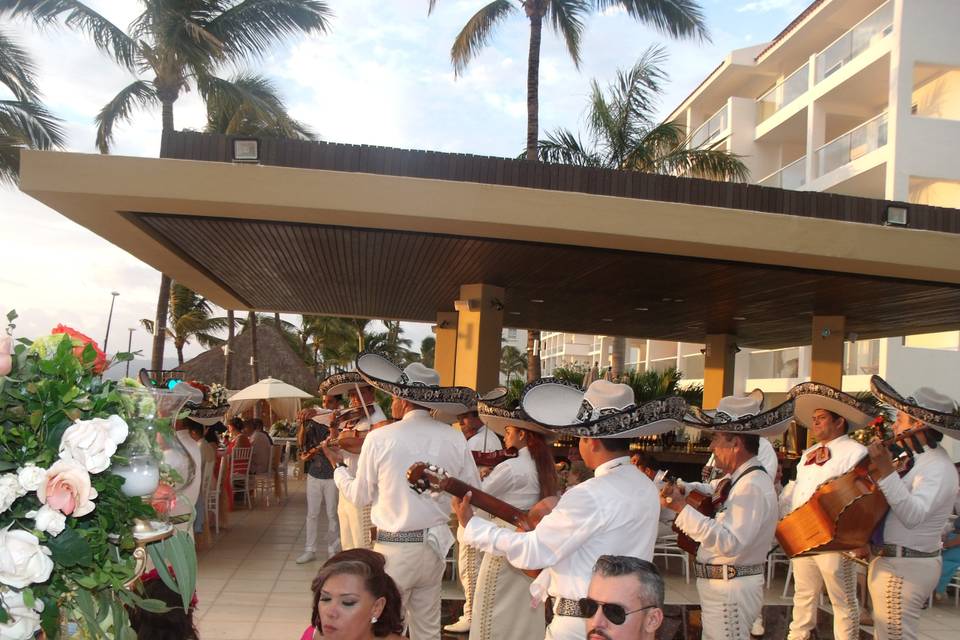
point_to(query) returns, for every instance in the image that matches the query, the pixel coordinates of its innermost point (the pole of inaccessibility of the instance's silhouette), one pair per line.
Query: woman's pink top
(308, 633)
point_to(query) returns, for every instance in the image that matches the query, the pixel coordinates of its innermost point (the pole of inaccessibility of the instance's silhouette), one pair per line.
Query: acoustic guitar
(423, 477)
(843, 512)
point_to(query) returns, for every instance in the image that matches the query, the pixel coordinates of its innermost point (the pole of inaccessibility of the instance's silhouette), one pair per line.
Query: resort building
(854, 97)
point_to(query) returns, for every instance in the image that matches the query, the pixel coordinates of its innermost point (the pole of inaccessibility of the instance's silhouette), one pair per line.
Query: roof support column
(445, 351)
(479, 331)
(826, 352)
(718, 368)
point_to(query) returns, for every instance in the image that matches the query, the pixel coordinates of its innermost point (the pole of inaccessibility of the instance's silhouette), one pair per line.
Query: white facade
(563, 350)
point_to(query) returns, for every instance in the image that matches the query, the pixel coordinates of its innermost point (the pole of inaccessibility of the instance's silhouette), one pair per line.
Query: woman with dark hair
(355, 599)
(175, 624)
(501, 606)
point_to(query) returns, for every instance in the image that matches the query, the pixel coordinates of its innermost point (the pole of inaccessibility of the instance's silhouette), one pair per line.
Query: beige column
(826, 352)
(479, 330)
(445, 351)
(718, 366)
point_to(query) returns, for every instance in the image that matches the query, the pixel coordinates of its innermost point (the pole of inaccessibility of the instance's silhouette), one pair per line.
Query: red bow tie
(818, 456)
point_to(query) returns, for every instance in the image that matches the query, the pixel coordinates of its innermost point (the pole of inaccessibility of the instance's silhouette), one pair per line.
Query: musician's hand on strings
(881, 464)
(461, 507)
(332, 453)
(671, 497)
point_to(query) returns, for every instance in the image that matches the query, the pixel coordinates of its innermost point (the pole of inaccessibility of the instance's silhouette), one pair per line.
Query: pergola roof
(371, 232)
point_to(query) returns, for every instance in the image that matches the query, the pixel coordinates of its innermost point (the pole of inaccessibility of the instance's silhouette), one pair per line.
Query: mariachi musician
(502, 607)
(615, 512)
(355, 525)
(480, 439)
(316, 425)
(828, 414)
(921, 492)
(733, 542)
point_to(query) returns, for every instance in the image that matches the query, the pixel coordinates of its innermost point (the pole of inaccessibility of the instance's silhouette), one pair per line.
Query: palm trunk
(160, 323)
(179, 354)
(533, 85)
(166, 115)
(228, 354)
(276, 320)
(533, 355)
(254, 364)
(617, 355)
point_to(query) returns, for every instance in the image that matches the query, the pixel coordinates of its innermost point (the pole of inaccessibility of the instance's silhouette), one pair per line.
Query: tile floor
(250, 586)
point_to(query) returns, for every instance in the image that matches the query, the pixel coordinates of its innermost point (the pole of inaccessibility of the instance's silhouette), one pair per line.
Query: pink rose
(68, 489)
(6, 348)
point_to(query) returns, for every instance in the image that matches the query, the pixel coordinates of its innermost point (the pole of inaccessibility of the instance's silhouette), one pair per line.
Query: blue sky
(382, 76)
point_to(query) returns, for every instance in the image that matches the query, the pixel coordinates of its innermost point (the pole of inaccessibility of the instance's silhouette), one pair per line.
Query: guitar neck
(493, 506)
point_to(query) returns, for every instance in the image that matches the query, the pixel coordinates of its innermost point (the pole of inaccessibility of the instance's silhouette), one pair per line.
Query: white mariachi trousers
(354, 525)
(729, 607)
(810, 574)
(322, 495)
(567, 628)
(468, 567)
(898, 588)
(418, 571)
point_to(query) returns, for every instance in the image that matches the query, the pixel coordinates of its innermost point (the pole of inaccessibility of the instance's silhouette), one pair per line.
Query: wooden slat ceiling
(376, 273)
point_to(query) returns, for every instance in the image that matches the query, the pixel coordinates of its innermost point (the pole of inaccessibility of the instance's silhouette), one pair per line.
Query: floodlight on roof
(896, 216)
(246, 150)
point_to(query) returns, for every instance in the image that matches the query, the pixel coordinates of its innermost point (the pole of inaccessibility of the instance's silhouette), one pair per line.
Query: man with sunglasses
(624, 600)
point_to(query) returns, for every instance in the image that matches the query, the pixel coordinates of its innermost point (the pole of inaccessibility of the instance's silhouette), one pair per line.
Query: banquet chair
(774, 558)
(283, 470)
(212, 499)
(265, 484)
(240, 473)
(666, 548)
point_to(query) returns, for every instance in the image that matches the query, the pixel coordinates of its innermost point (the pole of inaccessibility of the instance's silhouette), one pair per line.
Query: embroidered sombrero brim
(947, 423)
(389, 378)
(554, 404)
(341, 383)
(498, 419)
(810, 396)
(773, 422)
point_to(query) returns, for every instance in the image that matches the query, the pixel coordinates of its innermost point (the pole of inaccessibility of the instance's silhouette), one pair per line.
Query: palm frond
(24, 125)
(564, 147)
(713, 164)
(251, 27)
(17, 71)
(566, 17)
(476, 34)
(76, 15)
(136, 95)
(249, 104)
(675, 18)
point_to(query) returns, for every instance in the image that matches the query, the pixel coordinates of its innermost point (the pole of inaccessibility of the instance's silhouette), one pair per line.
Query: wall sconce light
(496, 304)
(705, 351)
(466, 305)
(825, 332)
(896, 216)
(246, 150)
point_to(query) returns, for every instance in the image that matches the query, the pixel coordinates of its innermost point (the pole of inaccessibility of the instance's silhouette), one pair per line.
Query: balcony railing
(710, 131)
(869, 136)
(792, 176)
(783, 93)
(871, 29)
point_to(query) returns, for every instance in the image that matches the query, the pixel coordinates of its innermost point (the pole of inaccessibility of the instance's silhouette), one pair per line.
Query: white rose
(10, 490)
(24, 621)
(49, 520)
(31, 477)
(93, 442)
(22, 560)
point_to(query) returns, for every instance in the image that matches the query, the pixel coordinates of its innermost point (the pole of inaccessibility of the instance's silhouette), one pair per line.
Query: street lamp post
(129, 347)
(113, 300)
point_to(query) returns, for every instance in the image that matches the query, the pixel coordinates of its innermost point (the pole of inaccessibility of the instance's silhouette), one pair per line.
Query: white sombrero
(743, 414)
(417, 384)
(926, 405)
(338, 384)
(498, 416)
(810, 396)
(604, 410)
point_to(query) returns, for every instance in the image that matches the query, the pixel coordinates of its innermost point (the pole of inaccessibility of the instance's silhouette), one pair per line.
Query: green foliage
(572, 372)
(652, 384)
(512, 362)
(48, 389)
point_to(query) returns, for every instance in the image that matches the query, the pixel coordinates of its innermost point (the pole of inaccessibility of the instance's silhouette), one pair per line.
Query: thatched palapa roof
(275, 358)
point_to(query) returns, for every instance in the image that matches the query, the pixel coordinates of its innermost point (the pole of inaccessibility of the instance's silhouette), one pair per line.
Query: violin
(493, 458)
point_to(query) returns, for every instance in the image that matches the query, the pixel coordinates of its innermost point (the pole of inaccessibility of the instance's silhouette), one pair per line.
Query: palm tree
(428, 351)
(256, 110)
(190, 317)
(24, 122)
(228, 350)
(512, 361)
(624, 134)
(674, 18)
(180, 43)
(652, 384)
(325, 334)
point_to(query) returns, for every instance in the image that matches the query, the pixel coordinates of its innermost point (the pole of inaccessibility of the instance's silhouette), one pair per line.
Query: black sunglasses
(615, 613)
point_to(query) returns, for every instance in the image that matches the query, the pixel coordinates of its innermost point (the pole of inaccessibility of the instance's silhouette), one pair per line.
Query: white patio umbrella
(284, 399)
